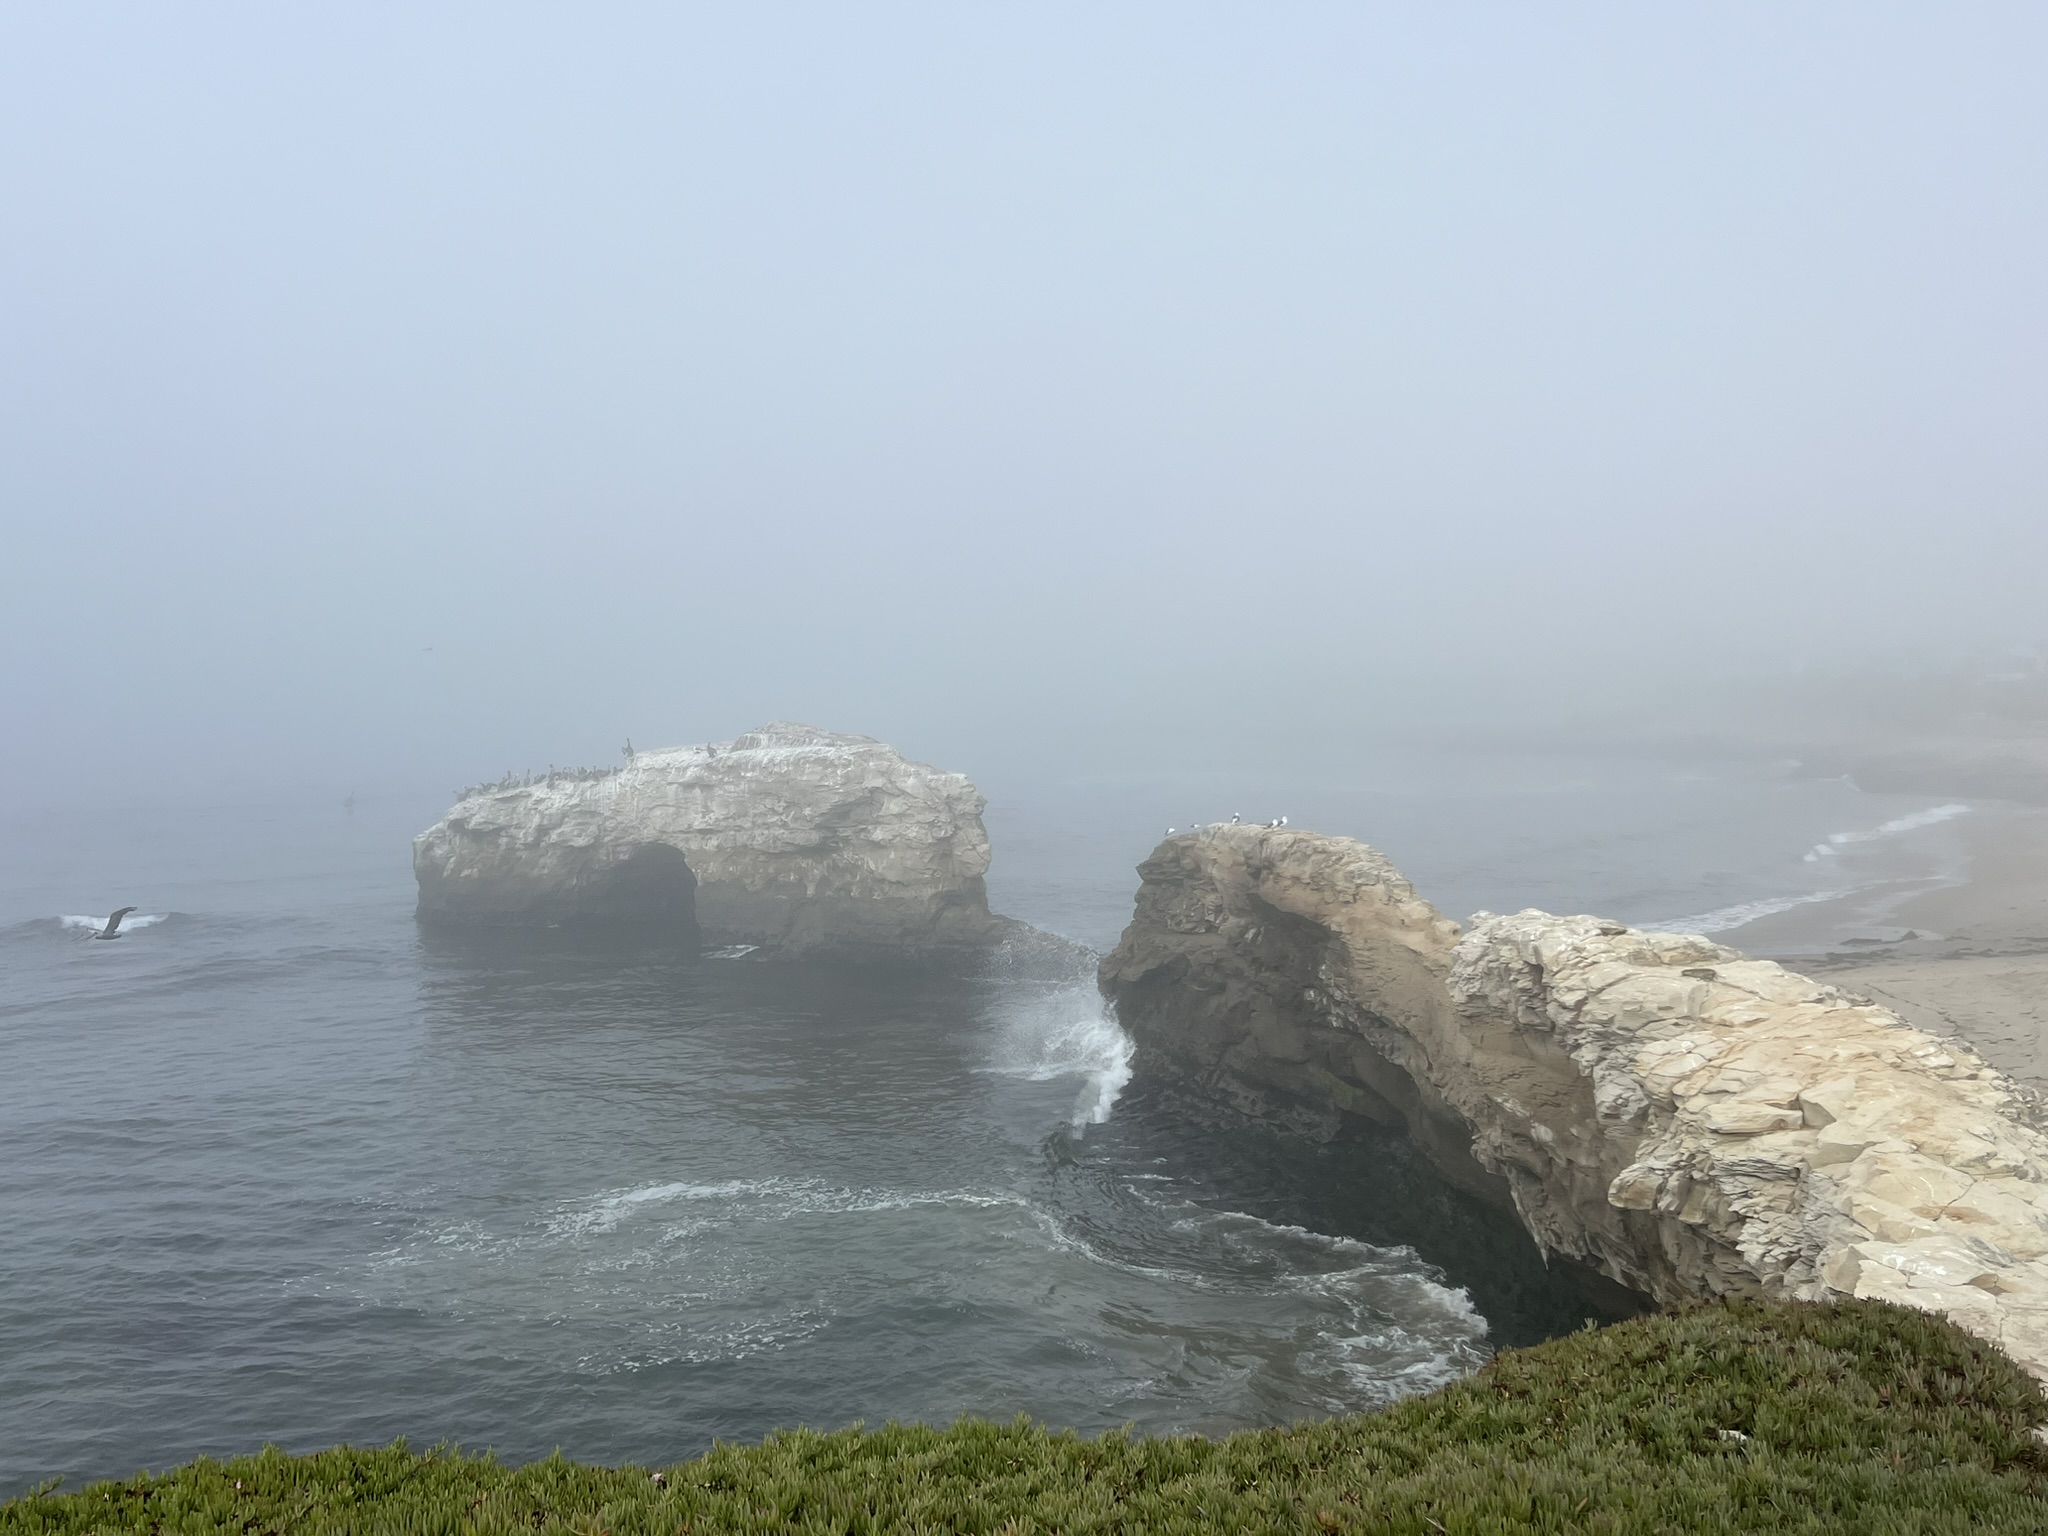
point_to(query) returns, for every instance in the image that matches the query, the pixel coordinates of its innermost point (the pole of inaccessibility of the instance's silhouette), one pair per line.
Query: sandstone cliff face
(1686, 1120)
(788, 836)
(1299, 979)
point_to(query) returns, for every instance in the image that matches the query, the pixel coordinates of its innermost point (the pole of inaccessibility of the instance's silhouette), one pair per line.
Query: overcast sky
(411, 391)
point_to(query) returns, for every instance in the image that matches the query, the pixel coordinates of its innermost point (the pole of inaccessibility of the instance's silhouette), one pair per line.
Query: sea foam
(1723, 918)
(1067, 1032)
(95, 924)
(1931, 817)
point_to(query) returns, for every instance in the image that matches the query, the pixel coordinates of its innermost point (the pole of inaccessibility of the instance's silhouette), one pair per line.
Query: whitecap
(770, 1199)
(1931, 817)
(95, 924)
(695, 1346)
(1723, 918)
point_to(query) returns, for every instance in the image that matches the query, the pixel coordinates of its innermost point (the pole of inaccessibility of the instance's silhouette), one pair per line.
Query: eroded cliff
(1685, 1120)
(1299, 979)
(786, 837)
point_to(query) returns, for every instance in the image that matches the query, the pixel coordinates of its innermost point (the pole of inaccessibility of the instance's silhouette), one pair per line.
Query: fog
(395, 395)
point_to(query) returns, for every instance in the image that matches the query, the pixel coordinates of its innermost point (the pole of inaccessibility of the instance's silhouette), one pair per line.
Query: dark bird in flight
(113, 928)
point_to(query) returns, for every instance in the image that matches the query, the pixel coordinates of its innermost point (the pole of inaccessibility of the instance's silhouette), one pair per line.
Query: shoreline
(1964, 957)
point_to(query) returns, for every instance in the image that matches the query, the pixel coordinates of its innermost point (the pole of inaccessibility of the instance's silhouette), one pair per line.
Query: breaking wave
(770, 1199)
(1383, 1323)
(1723, 918)
(95, 924)
(1913, 823)
(1066, 1032)
(1720, 919)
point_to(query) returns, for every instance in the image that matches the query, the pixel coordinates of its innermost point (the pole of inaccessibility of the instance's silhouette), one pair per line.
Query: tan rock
(1825, 1103)
(1879, 1282)
(1963, 1305)
(1840, 1142)
(1928, 1261)
(1747, 1117)
(1770, 982)
(1999, 1205)
(1893, 1223)
(1686, 1120)
(1918, 1183)
(1636, 1188)
(2023, 1331)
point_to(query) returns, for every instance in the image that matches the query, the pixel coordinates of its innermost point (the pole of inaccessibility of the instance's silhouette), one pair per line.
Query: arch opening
(651, 888)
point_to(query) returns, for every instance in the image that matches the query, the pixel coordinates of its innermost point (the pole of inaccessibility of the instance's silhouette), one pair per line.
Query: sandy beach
(1968, 958)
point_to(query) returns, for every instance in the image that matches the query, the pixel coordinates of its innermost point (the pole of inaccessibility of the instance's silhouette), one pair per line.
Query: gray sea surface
(279, 1168)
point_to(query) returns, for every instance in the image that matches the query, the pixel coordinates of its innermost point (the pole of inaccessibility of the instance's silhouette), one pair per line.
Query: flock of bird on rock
(529, 779)
(1235, 820)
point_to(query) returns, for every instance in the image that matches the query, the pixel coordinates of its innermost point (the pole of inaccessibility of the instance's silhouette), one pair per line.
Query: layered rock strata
(1298, 979)
(1685, 1120)
(787, 837)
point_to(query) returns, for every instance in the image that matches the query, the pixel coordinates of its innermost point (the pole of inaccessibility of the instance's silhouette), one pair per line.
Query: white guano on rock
(788, 837)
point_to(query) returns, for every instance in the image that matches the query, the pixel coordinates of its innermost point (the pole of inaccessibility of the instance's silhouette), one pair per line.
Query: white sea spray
(1066, 1031)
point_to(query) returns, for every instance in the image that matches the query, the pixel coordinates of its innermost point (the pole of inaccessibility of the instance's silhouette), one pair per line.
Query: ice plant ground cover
(1727, 1417)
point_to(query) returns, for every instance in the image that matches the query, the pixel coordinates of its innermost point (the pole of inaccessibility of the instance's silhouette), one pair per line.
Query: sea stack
(797, 840)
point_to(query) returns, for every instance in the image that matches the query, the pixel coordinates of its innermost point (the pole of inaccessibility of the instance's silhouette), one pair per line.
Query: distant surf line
(1721, 919)
(1913, 823)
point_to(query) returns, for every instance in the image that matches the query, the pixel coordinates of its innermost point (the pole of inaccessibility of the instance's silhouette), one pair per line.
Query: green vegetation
(1725, 1418)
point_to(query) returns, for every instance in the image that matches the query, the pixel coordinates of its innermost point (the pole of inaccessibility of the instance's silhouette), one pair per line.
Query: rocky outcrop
(1686, 1121)
(1300, 980)
(788, 837)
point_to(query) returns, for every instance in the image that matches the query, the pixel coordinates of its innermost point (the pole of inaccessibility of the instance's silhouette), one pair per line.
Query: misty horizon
(392, 399)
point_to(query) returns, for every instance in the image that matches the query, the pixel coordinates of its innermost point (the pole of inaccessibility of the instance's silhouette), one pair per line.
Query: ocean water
(278, 1168)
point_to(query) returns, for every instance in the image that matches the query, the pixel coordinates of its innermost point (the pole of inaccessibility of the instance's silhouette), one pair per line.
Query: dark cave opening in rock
(651, 889)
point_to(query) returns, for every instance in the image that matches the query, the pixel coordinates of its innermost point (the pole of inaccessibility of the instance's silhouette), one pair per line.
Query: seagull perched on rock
(113, 928)
(1235, 818)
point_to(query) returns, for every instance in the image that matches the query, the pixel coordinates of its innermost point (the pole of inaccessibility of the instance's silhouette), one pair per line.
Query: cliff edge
(788, 837)
(1684, 1120)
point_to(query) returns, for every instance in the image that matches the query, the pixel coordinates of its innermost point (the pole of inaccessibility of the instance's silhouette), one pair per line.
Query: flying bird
(113, 928)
